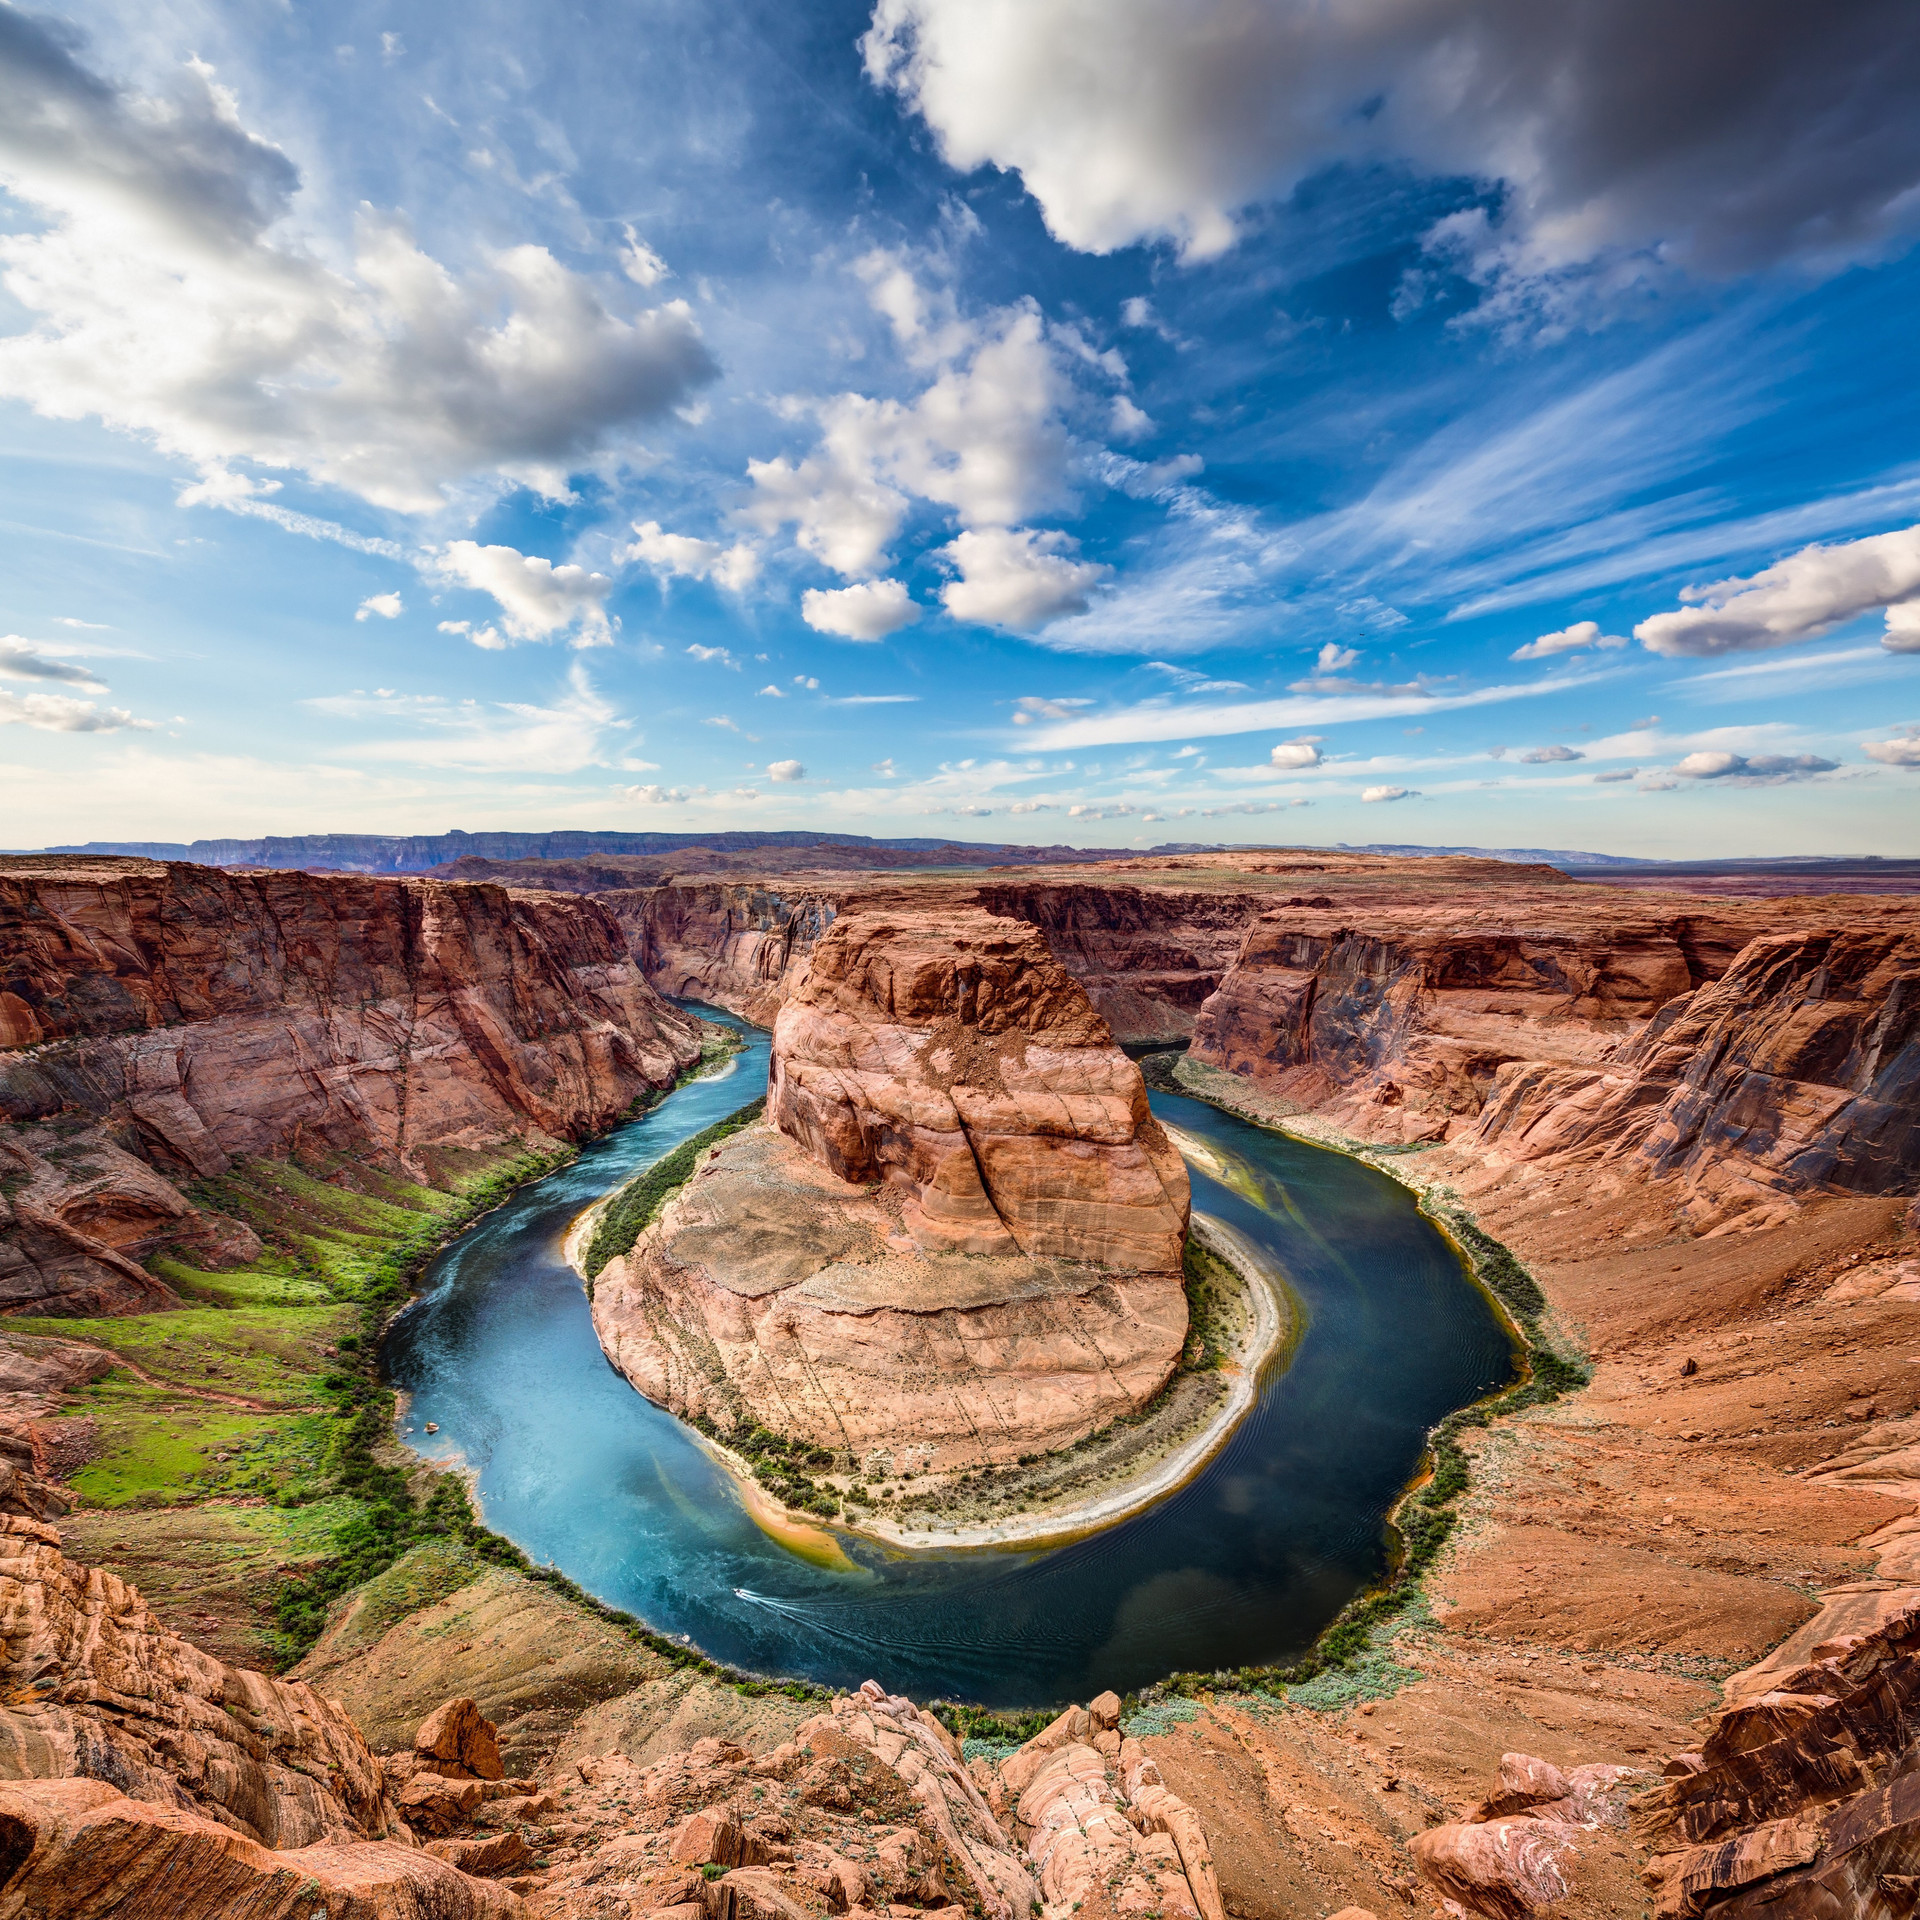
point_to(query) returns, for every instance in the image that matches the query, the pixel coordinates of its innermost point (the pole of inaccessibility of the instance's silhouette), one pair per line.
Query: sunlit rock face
(161, 1021)
(957, 1236)
(953, 1058)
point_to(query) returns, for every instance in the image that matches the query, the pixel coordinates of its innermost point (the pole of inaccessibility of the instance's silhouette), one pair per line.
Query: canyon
(161, 1024)
(1693, 1119)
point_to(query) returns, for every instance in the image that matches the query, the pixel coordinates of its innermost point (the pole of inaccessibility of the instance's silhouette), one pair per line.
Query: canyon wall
(957, 1237)
(1147, 957)
(159, 1023)
(1797, 1071)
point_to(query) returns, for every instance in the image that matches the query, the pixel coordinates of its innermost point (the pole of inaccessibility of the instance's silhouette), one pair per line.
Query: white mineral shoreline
(1273, 1320)
(804, 1533)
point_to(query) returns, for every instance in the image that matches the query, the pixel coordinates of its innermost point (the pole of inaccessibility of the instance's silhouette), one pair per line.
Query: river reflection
(1245, 1565)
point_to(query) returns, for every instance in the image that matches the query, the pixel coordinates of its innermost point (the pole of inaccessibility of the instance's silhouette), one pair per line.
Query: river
(1245, 1565)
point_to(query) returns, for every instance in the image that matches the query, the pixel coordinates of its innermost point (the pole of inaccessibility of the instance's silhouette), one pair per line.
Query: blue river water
(1244, 1565)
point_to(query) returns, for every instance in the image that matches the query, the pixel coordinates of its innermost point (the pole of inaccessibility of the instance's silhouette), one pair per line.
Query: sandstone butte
(957, 1236)
(1672, 1659)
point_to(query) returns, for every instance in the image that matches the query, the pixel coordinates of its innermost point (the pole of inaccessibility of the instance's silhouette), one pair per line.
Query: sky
(1111, 422)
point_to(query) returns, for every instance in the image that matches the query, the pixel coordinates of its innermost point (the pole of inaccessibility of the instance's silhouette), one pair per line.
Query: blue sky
(1086, 420)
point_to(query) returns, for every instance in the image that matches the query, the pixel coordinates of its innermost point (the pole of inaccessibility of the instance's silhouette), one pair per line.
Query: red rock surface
(950, 1056)
(75, 1849)
(962, 1245)
(93, 1685)
(1798, 1070)
(186, 1017)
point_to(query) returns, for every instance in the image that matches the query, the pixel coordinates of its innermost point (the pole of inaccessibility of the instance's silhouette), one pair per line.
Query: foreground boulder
(77, 1850)
(94, 1687)
(1512, 1855)
(956, 1239)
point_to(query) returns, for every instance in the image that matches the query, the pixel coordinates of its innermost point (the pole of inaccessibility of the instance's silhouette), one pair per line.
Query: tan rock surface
(953, 1058)
(964, 1242)
(77, 1850)
(94, 1686)
(769, 1291)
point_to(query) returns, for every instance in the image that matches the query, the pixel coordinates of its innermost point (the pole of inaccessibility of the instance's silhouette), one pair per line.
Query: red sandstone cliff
(169, 1020)
(958, 1238)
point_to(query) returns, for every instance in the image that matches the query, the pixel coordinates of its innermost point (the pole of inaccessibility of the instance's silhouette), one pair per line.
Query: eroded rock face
(1797, 1070)
(963, 1241)
(954, 1059)
(94, 1688)
(772, 1292)
(1804, 1799)
(78, 1850)
(166, 1020)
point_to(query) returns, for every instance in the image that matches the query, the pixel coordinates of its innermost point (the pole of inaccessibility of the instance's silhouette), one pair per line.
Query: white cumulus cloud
(22, 660)
(169, 296)
(1388, 793)
(1903, 750)
(1717, 763)
(1551, 756)
(1799, 598)
(1018, 579)
(1582, 634)
(1294, 754)
(1132, 120)
(59, 713)
(785, 771)
(867, 610)
(537, 599)
(387, 605)
(673, 555)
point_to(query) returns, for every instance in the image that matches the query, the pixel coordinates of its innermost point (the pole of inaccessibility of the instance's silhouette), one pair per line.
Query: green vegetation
(780, 1465)
(1211, 1284)
(633, 1208)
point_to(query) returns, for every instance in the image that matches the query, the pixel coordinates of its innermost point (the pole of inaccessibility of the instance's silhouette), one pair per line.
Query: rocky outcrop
(1797, 1071)
(1147, 957)
(75, 1849)
(166, 1020)
(1515, 1854)
(773, 1293)
(95, 1688)
(958, 1237)
(953, 1059)
(1100, 1826)
(1803, 1801)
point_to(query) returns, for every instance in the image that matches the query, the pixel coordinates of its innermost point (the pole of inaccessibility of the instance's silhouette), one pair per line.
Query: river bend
(1244, 1565)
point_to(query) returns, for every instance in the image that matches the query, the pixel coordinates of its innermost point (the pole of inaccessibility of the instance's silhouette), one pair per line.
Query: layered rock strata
(1797, 1071)
(159, 1022)
(958, 1236)
(94, 1687)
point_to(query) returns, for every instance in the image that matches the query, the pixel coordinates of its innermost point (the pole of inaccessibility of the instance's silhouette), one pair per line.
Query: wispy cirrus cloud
(1160, 721)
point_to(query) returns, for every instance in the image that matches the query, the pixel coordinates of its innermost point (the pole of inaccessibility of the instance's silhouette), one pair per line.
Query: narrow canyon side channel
(1245, 1564)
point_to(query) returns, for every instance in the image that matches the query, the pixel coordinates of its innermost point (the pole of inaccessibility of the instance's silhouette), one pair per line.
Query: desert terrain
(1664, 1658)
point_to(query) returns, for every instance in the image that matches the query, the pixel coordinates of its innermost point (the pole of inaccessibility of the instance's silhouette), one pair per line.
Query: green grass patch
(421, 1576)
(1210, 1285)
(633, 1208)
(152, 1455)
(275, 1354)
